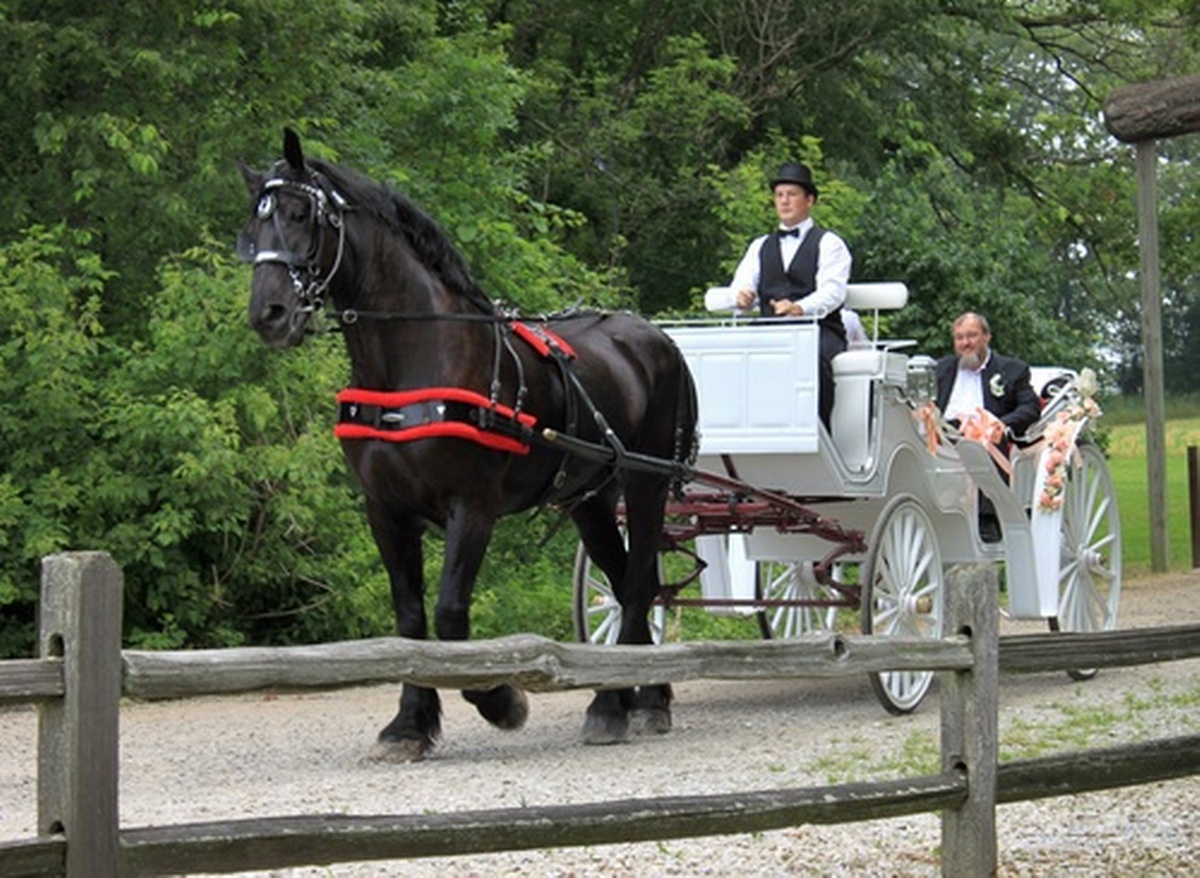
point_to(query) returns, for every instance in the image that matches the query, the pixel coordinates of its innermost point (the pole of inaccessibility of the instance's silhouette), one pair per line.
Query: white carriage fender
(725, 299)
(1046, 523)
(1025, 592)
(720, 299)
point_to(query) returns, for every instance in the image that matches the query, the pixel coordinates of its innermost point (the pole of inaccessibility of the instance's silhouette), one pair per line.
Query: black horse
(445, 420)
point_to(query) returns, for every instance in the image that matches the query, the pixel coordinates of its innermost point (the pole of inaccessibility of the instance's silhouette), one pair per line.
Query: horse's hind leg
(652, 709)
(635, 587)
(645, 500)
(607, 718)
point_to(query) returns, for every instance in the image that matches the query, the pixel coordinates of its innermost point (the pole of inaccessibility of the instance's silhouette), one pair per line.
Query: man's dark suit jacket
(1007, 393)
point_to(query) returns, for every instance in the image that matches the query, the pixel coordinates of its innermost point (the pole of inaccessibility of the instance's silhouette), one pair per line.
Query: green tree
(49, 350)
(1006, 94)
(610, 153)
(142, 416)
(124, 118)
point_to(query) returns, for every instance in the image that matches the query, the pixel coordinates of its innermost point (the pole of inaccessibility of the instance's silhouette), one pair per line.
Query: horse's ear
(252, 178)
(292, 151)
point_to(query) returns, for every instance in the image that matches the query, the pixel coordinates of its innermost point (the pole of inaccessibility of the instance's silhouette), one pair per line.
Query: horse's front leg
(468, 533)
(411, 734)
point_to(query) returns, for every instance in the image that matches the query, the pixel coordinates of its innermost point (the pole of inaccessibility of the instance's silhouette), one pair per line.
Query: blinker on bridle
(303, 269)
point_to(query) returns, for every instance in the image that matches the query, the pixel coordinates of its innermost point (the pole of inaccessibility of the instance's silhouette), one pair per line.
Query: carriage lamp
(921, 386)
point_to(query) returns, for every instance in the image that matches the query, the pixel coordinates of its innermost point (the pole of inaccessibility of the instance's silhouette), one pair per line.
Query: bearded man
(976, 377)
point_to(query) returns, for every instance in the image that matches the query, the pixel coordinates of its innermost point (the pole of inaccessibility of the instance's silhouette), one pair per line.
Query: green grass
(1061, 725)
(1125, 410)
(1126, 445)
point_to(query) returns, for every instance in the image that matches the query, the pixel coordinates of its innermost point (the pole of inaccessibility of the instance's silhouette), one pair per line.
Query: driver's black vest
(797, 281)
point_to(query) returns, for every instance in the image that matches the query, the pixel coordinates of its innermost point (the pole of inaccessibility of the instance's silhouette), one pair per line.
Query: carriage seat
(855, 372)
(1048, 381)
(877, 296)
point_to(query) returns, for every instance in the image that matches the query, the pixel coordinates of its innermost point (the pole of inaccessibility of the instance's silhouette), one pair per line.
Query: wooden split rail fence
(82, 673)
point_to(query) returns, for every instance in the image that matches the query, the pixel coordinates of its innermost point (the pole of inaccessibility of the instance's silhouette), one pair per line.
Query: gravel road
(264, 755)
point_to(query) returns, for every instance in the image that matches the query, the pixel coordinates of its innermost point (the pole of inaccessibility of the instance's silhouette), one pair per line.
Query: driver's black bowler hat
(794, 172)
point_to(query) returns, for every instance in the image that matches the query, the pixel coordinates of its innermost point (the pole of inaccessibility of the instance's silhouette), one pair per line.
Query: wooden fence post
(1193, 462)
(970, 721)
(78, 745)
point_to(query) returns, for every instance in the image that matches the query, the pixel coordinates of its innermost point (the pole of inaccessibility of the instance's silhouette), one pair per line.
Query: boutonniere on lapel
(996, 385)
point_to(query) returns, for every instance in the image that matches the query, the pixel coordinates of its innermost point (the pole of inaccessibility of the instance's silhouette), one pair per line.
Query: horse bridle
(303, 269)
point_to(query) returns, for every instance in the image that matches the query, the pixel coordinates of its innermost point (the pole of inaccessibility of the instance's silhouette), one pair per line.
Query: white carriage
(794, 523)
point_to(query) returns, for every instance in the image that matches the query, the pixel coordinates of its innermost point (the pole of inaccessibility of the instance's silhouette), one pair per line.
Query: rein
(350, 316)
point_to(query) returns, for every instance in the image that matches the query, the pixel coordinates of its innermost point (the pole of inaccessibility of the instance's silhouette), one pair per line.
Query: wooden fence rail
(81, 674)
(539, 664)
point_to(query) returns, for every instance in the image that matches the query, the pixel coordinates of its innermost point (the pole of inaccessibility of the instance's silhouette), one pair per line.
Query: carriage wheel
(793, 581)
(595, 608)
(1089, 576)
(903, 594)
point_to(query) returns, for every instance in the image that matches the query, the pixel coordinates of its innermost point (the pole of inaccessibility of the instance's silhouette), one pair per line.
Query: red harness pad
(447, 402)
(542, 340)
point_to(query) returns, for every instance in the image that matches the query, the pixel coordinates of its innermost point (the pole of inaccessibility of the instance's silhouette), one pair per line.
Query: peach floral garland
(931, 419)
(989, 431)
(982, 427)
(1060, 440)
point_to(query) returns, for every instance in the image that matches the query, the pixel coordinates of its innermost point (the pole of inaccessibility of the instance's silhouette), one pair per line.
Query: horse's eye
(266, 206)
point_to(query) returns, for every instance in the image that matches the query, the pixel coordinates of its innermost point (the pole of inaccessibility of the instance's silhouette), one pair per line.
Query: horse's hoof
(518, 712)
(505, 707)
(651, 721)
(396, 752)
(609, 730)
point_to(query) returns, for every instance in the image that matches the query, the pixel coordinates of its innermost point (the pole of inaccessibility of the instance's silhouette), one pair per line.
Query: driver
(800, 268)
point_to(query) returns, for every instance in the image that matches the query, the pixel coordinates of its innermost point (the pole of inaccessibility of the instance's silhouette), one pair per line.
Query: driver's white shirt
(833, 269)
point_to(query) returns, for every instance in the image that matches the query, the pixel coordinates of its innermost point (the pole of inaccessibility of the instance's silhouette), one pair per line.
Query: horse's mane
(430, 244)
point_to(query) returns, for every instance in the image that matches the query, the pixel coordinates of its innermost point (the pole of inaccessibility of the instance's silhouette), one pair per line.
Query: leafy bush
(208, 470)
(49, 357)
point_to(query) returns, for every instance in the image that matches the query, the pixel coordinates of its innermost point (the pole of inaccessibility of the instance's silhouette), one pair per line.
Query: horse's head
(295, 240)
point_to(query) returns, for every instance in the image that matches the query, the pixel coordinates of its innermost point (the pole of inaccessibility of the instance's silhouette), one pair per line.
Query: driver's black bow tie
(790, 233)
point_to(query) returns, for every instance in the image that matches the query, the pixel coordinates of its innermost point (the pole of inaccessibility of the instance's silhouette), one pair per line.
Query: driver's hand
(786, 308)
(745, 299)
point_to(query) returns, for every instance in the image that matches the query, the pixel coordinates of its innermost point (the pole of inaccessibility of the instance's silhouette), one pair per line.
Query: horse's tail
(687, 415)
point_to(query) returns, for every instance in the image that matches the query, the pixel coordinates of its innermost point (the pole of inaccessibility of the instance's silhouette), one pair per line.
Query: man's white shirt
(967, 394)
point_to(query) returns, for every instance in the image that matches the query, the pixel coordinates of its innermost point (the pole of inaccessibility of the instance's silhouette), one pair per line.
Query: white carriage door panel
(771, 401)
